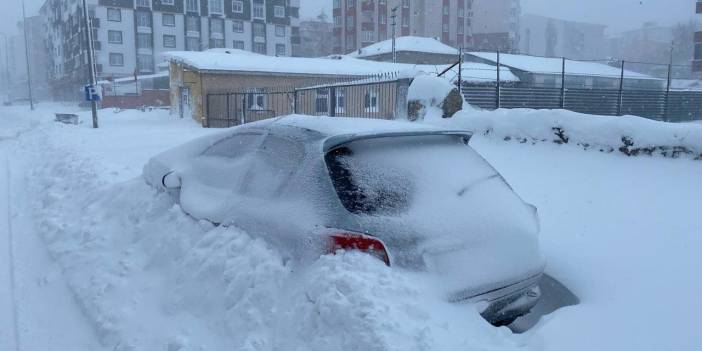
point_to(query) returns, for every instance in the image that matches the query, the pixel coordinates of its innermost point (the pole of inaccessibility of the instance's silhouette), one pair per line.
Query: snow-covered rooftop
(408, 43)
(233, 60)
(553, 65)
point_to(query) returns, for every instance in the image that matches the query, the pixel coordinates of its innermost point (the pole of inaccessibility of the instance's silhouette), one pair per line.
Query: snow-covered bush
(430, 97)
(629, 135)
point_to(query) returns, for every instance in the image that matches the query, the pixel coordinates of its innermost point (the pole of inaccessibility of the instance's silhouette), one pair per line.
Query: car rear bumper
(501, 306)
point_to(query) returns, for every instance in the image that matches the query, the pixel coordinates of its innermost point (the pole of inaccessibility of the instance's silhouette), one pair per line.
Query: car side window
(235, 146)
(274, 164)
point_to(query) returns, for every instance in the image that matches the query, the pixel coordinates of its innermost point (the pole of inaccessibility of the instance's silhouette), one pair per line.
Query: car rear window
(389, 176)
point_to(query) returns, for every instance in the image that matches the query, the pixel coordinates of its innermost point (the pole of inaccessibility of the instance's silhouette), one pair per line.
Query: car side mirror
(171, 180)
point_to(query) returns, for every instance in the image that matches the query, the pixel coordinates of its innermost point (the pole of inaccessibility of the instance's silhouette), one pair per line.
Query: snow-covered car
(417, 197)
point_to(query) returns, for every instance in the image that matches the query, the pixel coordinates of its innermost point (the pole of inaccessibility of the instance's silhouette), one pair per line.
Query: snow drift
(630, 135)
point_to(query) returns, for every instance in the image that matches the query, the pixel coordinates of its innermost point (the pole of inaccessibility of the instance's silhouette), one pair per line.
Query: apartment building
(496, 25)
(359, 23)
(130, 36)
(547, 36)
(697, 62)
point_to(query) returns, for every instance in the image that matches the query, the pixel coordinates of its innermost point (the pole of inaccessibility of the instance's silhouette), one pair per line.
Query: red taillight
(360, 242)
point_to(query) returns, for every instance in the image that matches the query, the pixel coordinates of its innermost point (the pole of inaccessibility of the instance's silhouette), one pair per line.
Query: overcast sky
(619, 15)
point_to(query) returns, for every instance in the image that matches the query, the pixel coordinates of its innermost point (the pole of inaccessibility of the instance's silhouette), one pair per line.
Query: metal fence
(664, 92)
(672, 106)
(381, 97)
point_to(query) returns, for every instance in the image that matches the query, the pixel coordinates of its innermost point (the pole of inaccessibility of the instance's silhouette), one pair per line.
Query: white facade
(131, 35)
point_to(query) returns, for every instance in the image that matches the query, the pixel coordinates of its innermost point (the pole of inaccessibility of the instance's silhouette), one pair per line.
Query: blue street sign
(91, 93)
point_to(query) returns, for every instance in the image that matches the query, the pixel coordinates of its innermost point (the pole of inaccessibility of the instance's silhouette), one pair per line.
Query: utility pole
(26, 55)
(7, 66)
(394, 23)
(666, 110)
(91, 68)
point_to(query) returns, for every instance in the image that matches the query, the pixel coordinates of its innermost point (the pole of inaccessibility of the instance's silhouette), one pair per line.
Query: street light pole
(394, 23)
(26, 55)
(7, 65)
(91, 71)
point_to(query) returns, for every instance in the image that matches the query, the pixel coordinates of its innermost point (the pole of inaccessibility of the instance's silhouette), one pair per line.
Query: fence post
(460, 68)
(666, 108)
(497, 89)
(295, 101)
(563, 87)
(229, 117)
(332, 102)
(621, 91)
(243, 108)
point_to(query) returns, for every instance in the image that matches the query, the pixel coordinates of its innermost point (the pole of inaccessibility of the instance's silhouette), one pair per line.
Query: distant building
(130, 36)
(414, 50)
(316, 39)
(495, 25)
(359, 23)
(650, 43)
(546, 36)
(17, 61)
(697, 62)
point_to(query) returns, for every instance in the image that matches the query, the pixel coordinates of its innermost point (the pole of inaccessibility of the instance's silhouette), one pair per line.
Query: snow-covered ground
(102, 261)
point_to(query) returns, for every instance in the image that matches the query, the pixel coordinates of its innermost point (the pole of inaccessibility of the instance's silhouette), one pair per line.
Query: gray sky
(617, 14)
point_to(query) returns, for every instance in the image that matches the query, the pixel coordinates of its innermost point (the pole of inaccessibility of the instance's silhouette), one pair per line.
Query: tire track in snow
(10, 251)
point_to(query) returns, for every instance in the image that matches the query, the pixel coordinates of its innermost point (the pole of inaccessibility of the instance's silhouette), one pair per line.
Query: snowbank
(630, 135)
(149, 277)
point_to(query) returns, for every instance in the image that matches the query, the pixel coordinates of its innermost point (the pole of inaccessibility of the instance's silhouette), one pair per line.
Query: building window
(382, 19)
(446, 10)
(239, 44)
(461, 12)
(368, 36)
(340, 100)
(168, 2)
(143, 3)
(216, 43)
(192, 44)
(216, 6)
(238, 6)
(698, 51)
(256, 102)
(192, 6)
(169, 41)
(258, 11)
(238, 26)
(145, 63)
(337, 21)
(114, 15)
(168, 20)
(337, 4)
(279, 11)
(259, 30)
(217, 27)
(114, 36)
(143, 19)
(259, 48)
(279, 49)
(279, 31)
(116, 59)
(143, 41)
(349, 3)
(405, 3)
(192, 24)
(349, 22)
(321, 104)
(370, 101)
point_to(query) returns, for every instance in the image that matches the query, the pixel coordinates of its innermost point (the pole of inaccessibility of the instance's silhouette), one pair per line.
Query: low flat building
(547, 72)
(409, 49)
(196, 75)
